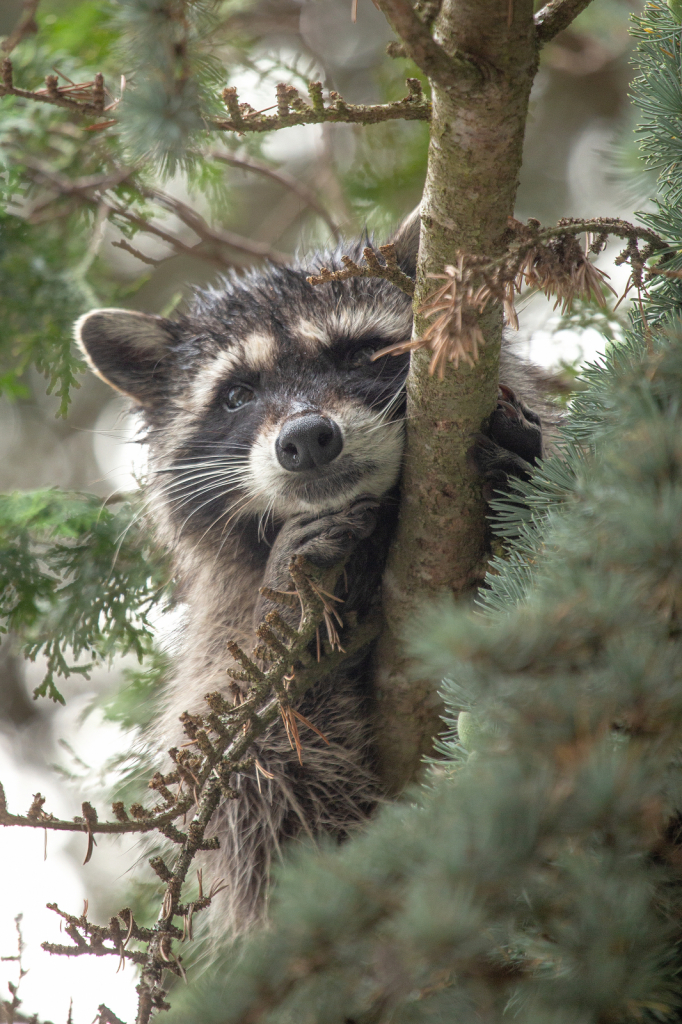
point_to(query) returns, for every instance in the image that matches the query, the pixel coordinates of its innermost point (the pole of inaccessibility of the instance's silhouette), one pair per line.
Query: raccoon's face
(265, 401)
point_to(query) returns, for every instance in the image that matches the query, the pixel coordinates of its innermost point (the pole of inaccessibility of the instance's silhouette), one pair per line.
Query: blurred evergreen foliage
(39, 304)
(76, 579)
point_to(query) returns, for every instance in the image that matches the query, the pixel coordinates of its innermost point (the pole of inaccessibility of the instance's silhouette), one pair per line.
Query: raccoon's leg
(332, 787)
(511, 445)
(323, 540)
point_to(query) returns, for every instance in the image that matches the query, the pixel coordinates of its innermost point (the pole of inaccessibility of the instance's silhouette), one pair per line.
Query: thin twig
(555, 16)
(388, 270)
(209, 235)
(93, 190)
(292, 109)
(92, 93)
(26, 26)
(306, 194)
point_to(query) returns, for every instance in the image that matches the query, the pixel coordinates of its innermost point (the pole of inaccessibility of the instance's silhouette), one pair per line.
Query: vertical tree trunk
(477, 131)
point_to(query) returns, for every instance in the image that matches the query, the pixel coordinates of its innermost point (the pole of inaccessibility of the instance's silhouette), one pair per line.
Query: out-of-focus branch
(95, 191)
(212, 236)
(85, 98)
(292, 109)
(26, 26)
(555, 16)
(306, 194)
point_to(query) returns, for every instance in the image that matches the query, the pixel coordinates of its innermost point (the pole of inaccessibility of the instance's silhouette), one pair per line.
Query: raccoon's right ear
(406, 242)
(128, 350)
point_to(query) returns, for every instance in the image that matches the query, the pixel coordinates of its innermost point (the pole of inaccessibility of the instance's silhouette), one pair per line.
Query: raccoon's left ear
(128, 350)
(406, 242)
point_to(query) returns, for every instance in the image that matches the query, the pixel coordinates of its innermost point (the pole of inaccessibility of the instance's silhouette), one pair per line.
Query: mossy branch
(89, 98)
(85, 98)
(292, 109)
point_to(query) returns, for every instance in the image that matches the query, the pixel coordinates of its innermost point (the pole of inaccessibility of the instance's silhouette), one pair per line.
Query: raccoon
(272, 431)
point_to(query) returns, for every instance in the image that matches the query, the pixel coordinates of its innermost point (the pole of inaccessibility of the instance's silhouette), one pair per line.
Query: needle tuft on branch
(551, 260)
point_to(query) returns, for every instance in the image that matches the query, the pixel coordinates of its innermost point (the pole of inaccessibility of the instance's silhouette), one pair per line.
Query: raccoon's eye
(238, 396)
(361, 356)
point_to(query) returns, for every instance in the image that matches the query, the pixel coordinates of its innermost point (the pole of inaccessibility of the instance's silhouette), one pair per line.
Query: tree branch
(307, 195)
(89, 96)
(210, 235)
(257, 712)
(92, 191)
(25, 26)
(555, 16)
(222, 740)
(292, 109)
(424, 50)
(389, 270)
(88, 99)
(440, 544)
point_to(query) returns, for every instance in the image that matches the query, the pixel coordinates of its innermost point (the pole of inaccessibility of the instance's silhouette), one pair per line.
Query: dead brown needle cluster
(551, 260)
(454, 335)
(561, 269)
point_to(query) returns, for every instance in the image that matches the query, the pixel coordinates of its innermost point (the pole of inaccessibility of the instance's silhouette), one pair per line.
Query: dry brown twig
(549, 259)
(86, 98)
(389, 269)
(218, 749)
(9, 1011)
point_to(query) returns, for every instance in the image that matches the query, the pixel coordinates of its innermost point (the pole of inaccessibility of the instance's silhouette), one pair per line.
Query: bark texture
(477, 130)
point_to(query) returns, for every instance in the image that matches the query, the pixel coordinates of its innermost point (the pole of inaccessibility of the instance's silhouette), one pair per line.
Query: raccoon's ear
(406, 242)
(128, 350)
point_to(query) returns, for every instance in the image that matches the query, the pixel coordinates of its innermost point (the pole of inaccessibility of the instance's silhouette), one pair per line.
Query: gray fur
(232, 517)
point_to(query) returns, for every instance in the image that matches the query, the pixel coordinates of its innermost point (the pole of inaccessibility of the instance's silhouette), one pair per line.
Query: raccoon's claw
(495, 465)
(511, 445)
(515, 427)
(511, 397)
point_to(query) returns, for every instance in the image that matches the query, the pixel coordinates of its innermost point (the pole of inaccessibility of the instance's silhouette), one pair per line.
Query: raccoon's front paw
(322, 540)
(511, 445)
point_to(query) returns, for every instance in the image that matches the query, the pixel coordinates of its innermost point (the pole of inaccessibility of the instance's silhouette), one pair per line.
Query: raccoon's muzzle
(308, 442)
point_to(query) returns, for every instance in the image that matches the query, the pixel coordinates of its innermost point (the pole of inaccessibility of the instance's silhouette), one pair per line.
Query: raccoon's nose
(308, 442)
